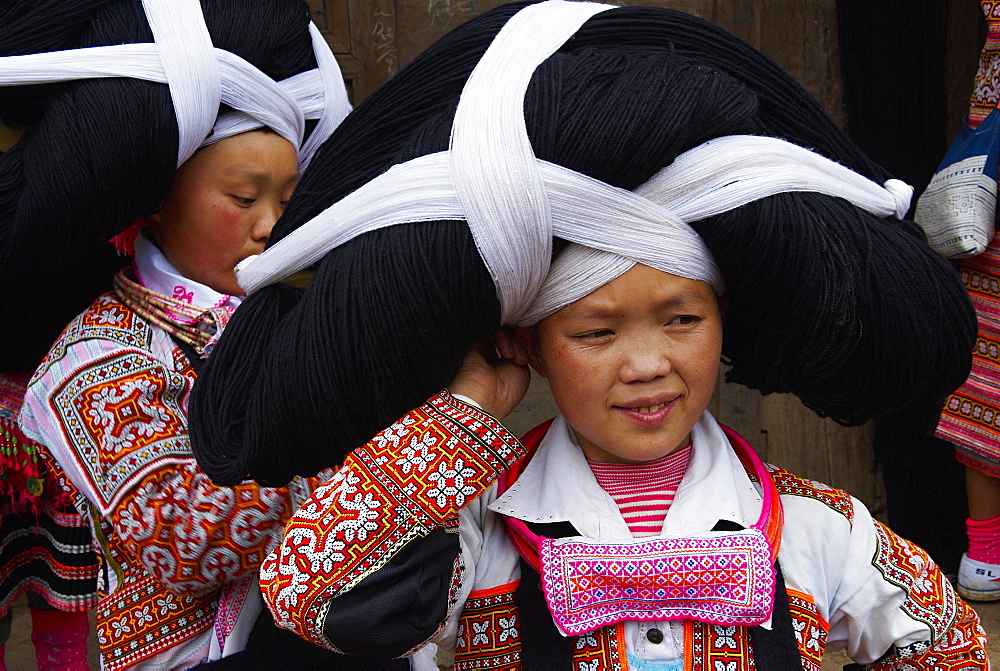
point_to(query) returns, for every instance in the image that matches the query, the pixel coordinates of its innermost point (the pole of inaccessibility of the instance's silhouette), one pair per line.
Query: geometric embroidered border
(970, 419)
(793, 485)
(715, 647)
(810, 630)
(142, 619)
(965, 408)
(488, 631)
(106, 319)
(724, 578)
(600, 649)
(122, 417)
(962, 648)
(930, 598)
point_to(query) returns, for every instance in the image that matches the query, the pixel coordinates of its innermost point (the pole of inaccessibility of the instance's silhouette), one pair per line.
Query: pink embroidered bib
(719, 577)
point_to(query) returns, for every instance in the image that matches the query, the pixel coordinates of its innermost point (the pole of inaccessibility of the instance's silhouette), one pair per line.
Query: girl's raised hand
(494, 374)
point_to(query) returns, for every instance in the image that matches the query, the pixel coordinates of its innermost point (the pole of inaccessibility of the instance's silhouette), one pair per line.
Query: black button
(654, 636)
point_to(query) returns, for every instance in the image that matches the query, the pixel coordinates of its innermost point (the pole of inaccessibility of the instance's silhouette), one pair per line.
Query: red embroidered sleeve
(411, 478)
(958, 640)
(193, 536)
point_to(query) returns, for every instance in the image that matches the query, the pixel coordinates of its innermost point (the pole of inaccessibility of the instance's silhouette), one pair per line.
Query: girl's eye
(595, 335)
(284, 204)
(245, 202)
(685, 320)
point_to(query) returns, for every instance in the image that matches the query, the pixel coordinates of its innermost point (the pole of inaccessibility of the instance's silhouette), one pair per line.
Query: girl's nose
(265, 223)
(644, 362)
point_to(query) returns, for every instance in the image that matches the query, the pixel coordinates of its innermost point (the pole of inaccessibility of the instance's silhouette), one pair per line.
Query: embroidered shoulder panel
(107, 318)
(792, 485)
(957, 637)
(962, 647)
(123, 416)
(411, 478)
(488, 631)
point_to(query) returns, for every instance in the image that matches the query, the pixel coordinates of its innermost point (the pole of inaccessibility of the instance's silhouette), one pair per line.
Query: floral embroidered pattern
(410, 479)
(488, 637)
(712, 647)
(810, 629)
(957, 638)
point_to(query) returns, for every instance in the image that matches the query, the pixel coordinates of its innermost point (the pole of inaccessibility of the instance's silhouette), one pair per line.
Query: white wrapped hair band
(576, 272)
(642, 228)
(739, 169)
(493, 167)
(257, 99)
(515, 203)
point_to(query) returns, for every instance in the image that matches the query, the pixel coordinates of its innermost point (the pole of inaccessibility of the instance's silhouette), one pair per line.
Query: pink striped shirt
(644, 491)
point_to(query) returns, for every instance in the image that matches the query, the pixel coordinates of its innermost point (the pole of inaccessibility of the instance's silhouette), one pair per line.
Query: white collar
(558, 486)
(155, 272)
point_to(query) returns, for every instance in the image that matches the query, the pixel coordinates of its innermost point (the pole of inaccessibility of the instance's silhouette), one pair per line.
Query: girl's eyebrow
(256, 177)
(682, 299)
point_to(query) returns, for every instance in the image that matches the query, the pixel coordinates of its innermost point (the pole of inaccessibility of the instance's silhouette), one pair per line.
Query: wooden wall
(374, 38)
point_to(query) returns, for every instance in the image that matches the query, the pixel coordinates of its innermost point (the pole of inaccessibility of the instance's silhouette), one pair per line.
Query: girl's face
(223, 204)
(633, 365)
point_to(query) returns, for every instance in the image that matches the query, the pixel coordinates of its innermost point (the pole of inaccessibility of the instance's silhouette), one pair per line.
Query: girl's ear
(527, 342)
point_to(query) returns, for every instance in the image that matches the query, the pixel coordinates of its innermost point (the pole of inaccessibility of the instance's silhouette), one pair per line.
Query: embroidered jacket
(180, 555)
(851, 583)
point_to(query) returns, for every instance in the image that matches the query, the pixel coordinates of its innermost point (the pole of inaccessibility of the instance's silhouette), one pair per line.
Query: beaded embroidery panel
(412, 477)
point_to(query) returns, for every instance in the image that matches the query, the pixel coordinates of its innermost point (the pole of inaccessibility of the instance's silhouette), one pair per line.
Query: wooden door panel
(362, 34)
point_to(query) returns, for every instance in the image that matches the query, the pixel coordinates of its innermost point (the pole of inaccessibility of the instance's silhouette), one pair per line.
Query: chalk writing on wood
(443, 11)
(385, 41)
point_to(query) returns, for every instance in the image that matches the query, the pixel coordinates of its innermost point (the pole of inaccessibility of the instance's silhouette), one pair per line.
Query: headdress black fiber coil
(853, 313)
(102, 152)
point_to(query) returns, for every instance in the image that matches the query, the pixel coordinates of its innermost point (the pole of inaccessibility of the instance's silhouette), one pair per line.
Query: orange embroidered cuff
(409, 479)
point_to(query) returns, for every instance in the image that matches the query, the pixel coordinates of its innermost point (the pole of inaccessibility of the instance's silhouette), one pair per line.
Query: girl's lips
(648, 415)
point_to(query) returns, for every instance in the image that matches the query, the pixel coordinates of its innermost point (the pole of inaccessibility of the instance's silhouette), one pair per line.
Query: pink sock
(60, 639)
(984, 540)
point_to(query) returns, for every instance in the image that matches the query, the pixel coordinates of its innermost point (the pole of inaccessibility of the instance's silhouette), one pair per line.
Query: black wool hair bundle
(102, 153)
(826, 298)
